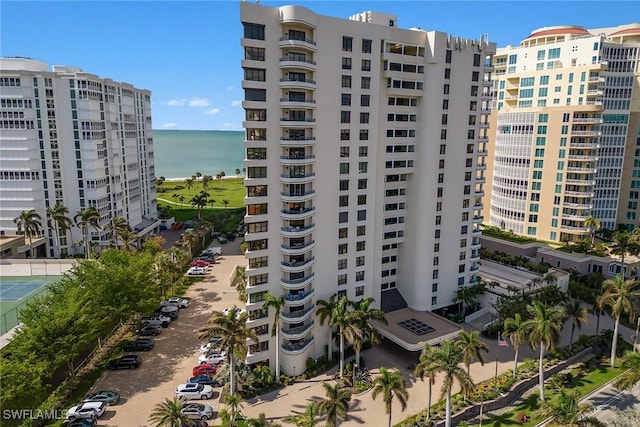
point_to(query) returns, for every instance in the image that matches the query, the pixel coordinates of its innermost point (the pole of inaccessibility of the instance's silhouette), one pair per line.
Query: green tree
(390, 385)
(189, 183)
(29, 222)
(578, 315)
(205, 181)
(277, 303)
(336, 404)
(169, 414)
(565, 410)
(593, 224)
(238, 173)
(309, 418)
(620, 295)
(364, 315)
(543, 330)
(198, 175)
(422, 371)
(160, 181)
(59, 221)
(464, 296)
(344, 318)
(233, 401)
(129, 239)
(631, 375)
(623, 244)
(471, 346)
(85, 218)
(225, 202)
(199, 201)
(233, 332)
(325, 312)
(118, 225)
(513, 331)
(446, 360)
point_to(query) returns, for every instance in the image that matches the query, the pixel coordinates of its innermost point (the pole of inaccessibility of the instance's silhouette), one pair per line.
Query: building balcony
(302, 282)
(595, 92)
(297, 196)
(575, 230)
(304, 141)
(297, 160)
(581, 170)
(483, 125)
(297, 249)
(578, 205)
(477, 219)
(588, 145)
(293, 349)
(479, 193)
(297, 123)
(297, 266)
(297, 231)
(297, 316)
(475, 243)
(297, 332)
(291, 42)
(585, 182)
(586, 133)
(575, 217)
(286, 83)
(585, 194)
(301, 298)
(297, 102)
(298, 62)
(588, 120)
(299, 178)
(481, 166)
(582, 157)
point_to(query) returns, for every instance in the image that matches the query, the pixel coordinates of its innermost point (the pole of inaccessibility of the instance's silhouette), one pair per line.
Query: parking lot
(176, 349)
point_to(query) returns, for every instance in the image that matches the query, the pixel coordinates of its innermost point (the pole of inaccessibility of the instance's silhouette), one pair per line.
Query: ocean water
(182, 153)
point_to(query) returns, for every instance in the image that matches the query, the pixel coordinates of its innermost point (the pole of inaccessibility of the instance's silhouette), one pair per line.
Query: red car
(200, 263)
(204, 369)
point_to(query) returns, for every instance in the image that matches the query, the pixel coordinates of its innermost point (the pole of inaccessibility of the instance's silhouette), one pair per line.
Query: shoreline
(200, 179)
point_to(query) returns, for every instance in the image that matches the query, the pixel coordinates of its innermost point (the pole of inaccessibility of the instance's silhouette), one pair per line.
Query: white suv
(92, 410)
(194, 391)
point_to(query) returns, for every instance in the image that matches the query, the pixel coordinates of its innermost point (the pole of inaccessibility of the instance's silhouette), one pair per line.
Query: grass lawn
(231, 189)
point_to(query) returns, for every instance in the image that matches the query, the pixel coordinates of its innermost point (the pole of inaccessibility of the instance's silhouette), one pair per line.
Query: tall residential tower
(565, 133)
(77, 139)
(365, 158)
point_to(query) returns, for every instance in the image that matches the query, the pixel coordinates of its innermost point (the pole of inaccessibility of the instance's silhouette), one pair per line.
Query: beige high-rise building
(564, 141)
(365, 154)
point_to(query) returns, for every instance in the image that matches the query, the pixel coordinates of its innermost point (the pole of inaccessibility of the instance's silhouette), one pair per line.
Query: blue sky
(188, 52)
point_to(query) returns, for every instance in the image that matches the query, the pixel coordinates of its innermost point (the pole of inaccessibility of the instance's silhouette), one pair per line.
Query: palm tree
(365, 315)
(277, 303)
(199, 201)
(169, 414)
(325, 312)
(225, 202)
(543, 330)
(631, 376)
(189, 183)
(84, 219)
(233, 332)
(620, 295)
(346, 319)
(593, 224)
(623, 243)
(309, 418)
(29, 221)
(58, 220)
(336, 404)
(471, 345)
(118, 225)
(205, 181)
(233, 401)
(238, 173)
(513, 331)
(198, 175)
(578, 315)
(129, 239)
(464, 296)
(212, 201)
(160, 181)
(565, 410)
(389, 385)
(421, 371)
(222, 175)
(181, 198)
(447, 359)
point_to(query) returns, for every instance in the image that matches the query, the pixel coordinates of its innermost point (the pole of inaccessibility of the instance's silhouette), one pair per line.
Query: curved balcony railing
(298, 80)
(299, 246)
(296, 212)
(296, 59)
(297, 297)
(297, 281)
(305, 100)
(297, 263)
(296, 314)
(299, 330)
(300, 39)
(296, 175)
(298, 120)
(297, 193)
(297, 347)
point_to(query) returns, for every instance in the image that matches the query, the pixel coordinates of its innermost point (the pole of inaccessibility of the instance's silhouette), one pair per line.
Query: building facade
(565, 133)
(77, 139)
(365, 157)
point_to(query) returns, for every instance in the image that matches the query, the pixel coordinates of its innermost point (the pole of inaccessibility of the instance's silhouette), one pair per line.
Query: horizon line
(200, 130)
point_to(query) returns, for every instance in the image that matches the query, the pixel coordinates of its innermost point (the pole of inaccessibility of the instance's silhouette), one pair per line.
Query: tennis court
(15, 293)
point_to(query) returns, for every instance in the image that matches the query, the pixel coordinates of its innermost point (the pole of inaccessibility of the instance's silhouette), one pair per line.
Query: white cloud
(176, 102)
(236, 103)
(211, 112)
(231, 126)
(229, 87)
(198, 102)
(168, 126)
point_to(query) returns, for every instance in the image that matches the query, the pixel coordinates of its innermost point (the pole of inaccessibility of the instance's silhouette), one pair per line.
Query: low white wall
(36, 267)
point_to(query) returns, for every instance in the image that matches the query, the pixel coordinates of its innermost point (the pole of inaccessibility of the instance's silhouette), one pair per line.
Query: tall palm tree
(118, 225)
(446, 359)
(325, 312)
(189, 183)
(129, 239)
(225, 202)
(631, 375)
(238, 173)
(58, 220)
(620, 295)
(198, 175)
(233, 402)
(205, 181)
(29, 222)
(85, 218)
(199, 201)
(233, 332)
(336, 404)
(471, 346)
(390, 385)
(513, 331)
(309, 418)
(421, 371)
(565, 410)
(593, 224)
(578, 315)
(169, 414)
(277, 303)
(543, 330)
(364, 316)
(160, 181)
(623, 243)
(346, 320)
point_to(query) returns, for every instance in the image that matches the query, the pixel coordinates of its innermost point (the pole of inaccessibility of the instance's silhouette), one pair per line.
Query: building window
(342, 264)
(360, 246)
(343, 201)
(362, 215)
(359, 276)
(346, 99)
(345, 117)
(365, 82)
(447, 56)
(342, 233)
(253, 31)
(344, 135)
(344, 185)
(346, 81)
(366, 46)
(347, 44)
(363, 151)
(365, 100)
(344, 168)
(361, 230)
(366, 65)
(364, 118)
(342, 249)
(254, 74)
(346, 63)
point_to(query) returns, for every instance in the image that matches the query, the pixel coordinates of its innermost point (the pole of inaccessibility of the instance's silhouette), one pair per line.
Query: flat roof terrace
(412, 329)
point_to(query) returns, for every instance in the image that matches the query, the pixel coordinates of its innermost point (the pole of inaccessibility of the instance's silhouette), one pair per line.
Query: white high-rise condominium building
(365, 158)
(565, 134)
(71, 137)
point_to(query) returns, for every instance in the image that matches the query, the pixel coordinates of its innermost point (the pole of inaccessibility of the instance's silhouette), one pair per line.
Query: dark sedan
(139, 344)
(148, 330)
(205, 379)
(125, 362)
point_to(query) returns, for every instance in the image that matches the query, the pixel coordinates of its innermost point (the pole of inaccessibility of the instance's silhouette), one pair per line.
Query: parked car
(87, 410)
(223, 240)
(160, 316)
(199, 423)
(200, 263)
(196, 271)
(207, 346)
(148, 330)
(194, 391)
(197, 411)
(170, 311)
(205, 379)
(239, 311)
(154, 321)
(231, 237)
(215, 251)
(130, 361)
(180, 302)
(203, 369)
(139, 344)
(79, 422)
(213, 358)
(107, 396)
